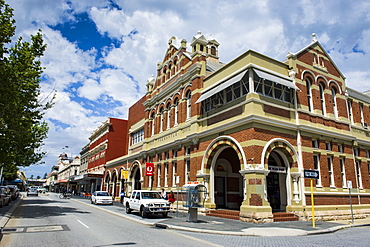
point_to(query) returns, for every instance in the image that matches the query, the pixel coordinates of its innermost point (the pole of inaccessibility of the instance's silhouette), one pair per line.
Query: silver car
(101, 197)
(32, 191)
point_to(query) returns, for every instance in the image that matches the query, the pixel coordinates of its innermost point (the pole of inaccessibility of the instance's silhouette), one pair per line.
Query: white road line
(83, 224)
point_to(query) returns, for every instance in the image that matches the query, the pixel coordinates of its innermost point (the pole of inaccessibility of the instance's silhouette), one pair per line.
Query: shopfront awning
(275, 79)
(221, 86)
(60, 181)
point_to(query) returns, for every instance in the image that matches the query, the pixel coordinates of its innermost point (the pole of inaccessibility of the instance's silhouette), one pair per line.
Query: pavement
(214, 225)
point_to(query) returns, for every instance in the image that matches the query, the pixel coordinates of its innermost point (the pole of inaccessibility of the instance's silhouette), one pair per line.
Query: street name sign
(312, 174)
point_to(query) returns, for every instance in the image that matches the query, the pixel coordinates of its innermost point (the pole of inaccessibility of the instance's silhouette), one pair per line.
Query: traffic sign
(312, 174)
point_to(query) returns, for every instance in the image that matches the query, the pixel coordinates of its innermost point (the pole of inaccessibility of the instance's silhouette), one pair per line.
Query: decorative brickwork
(255, 200)
(276, 111)
(226, 115)
(255, 181)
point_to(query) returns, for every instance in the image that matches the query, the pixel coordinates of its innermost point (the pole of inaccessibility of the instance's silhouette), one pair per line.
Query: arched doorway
(106, 182)
(227, 181)
(114, 185)
(276, 180)
(136, 178)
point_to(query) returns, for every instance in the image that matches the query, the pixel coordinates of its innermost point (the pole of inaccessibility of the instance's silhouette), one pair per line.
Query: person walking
(172, 199)
(164, 195)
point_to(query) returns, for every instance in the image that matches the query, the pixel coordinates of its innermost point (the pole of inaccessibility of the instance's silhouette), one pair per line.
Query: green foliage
(22, 129)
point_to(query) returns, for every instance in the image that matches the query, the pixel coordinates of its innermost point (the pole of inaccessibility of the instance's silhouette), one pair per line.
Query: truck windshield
(151, 195)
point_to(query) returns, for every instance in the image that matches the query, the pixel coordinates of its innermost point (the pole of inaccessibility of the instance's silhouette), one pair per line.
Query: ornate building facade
(248, 129)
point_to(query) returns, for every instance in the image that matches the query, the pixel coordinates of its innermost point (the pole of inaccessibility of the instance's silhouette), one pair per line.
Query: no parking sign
(149, 169)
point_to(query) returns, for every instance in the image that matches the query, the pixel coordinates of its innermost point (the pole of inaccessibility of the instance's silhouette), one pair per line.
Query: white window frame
(176, 113)
(359, 175)
(350, 111)
(165, 174)
(174, 173)
(322, 99)
(168, 118)
(309, 94)
(331, 172)
(343, 172)
(316, 158)
(315, 144)
(188, 106)
(340, 148)
(334, 99)
(159, 175)
(187, 171)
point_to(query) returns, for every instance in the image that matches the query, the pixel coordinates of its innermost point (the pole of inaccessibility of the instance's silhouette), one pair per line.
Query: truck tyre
(128, 209)
(142, 212)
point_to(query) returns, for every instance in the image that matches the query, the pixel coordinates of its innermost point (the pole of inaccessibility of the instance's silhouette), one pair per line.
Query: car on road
(14, 192)
(101, 197)
(4, 196)
(32, 191)
(146, 202)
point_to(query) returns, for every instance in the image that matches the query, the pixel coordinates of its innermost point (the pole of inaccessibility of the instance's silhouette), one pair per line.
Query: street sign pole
(312, 204)
(312, 174)
(349, 185)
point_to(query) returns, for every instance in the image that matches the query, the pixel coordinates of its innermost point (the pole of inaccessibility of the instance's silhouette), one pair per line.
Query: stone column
(255, 207)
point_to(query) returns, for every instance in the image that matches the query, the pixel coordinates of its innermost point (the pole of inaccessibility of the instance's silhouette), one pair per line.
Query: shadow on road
(36, 208)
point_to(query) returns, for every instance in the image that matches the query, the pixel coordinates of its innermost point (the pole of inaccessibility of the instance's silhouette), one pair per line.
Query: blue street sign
(312, 174)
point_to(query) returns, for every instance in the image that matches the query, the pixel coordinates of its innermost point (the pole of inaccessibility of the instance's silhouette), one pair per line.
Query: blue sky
(101, 52)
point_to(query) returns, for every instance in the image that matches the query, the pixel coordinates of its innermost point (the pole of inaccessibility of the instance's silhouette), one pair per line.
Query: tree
(22, 128)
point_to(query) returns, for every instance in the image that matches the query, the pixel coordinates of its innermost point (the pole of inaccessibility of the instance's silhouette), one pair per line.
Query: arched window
(309, 94)
(322, 99)
(161, 120)
(176, 103)
(188, 105)
(213, 51)
(153, 123)
(168, 107)
(173, 71)
(201, 47)
(164, 76)
(334, 100)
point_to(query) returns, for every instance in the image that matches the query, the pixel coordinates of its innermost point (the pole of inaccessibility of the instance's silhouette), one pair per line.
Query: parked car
(32, 191)
(146, 202)
(14, 192)
(101, 197)
(4, 196)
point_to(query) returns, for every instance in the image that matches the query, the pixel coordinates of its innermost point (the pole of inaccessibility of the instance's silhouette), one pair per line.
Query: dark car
(4, 196)
(14, 192)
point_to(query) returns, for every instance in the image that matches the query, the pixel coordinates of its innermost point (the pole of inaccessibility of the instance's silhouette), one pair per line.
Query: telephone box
(195, 196)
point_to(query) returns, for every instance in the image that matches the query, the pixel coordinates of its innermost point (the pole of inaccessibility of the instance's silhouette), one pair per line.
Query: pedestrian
(163, 194)
(122, 196)
(172, 199)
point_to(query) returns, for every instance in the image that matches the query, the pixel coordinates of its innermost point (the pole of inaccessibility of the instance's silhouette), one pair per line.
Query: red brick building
(107, 142)
(248, 129)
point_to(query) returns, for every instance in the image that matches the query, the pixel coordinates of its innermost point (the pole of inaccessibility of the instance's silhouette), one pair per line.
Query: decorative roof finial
(314, 39)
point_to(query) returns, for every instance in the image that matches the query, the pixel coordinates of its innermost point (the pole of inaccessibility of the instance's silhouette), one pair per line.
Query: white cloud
(89, 89)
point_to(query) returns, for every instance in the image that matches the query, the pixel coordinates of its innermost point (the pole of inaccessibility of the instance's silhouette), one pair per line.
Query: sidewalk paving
(215, 225)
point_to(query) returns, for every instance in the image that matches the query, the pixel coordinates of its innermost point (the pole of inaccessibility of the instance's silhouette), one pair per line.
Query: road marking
(83, 224)
(197, 239)
(44, 228)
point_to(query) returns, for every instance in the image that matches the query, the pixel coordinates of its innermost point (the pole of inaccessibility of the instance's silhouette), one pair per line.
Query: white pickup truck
(146, 202)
